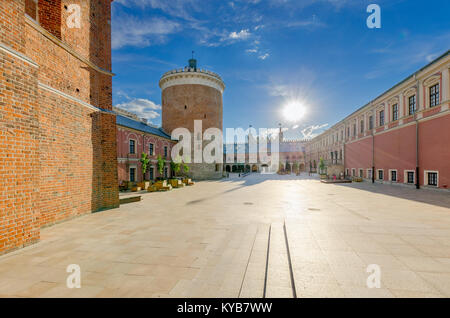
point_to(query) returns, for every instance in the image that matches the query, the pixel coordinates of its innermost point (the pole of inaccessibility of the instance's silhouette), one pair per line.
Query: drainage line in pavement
(248, 262)
(294, 292)
(267, 262)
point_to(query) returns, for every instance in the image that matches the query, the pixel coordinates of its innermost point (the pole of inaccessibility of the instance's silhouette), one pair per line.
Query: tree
(161, 165)
(145, 161)
(322, 166)
(175, 166)
(186, 168)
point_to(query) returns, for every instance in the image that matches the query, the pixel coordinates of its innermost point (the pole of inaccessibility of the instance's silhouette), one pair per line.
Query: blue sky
(270, 52)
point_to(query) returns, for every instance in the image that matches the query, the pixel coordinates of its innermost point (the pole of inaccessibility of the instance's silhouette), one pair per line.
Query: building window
(165, 151)
(382, 118)
(371, 122)
(166, 172)
(31, 9)
(410, 177)
(361, 173)
(353, 172)
(395, 112)
(151, 149)
(412, 104)
(432, 179)
(354, 129)
(152, 173)
(369, 173)
(348, 132)
(380, 175)
(132, 146)
(362, 126)
(132, 174)
(394, 175)
(346, 172)
(434, 95)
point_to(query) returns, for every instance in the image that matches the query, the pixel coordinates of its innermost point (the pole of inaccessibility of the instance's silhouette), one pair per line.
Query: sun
(294, 111)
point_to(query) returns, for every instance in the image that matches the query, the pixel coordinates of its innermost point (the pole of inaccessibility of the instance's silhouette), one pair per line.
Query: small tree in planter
(160, 165)
(175, 167)
(145, 163)
(322, 168)
(186, 169)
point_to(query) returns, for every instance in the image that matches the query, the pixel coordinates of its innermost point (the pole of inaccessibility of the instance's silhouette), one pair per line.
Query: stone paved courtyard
(212, 240)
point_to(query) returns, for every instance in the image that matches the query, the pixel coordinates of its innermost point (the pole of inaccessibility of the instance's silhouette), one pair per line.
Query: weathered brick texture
(57, 153)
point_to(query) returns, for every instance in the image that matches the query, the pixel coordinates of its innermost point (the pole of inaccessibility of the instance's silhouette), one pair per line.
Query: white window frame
(405, 176)
(347, 172)
(135, 173)
(378, 174)
(361, 175)
(390, 175)
(425, 178)
(151, 168)
(434, 80)
(354, 172)
(154, 149)
(369, 173)
(129, 144)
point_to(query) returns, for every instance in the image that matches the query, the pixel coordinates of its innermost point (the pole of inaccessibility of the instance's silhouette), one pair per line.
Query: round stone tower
(190, 94)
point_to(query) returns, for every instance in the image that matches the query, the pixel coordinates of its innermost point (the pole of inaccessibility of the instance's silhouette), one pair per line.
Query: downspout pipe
(417, 156)
(417, 135)
(373, 157)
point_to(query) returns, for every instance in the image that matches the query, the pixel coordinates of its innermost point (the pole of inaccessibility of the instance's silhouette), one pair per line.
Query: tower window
(185, 107)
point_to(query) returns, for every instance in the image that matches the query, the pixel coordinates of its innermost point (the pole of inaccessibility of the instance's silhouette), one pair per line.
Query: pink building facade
(134, 137)
(401, 137)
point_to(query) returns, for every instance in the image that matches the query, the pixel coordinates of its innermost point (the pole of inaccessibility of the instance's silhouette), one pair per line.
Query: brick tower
(191, 94)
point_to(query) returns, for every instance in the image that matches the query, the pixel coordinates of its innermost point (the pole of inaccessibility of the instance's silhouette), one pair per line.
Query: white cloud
(313, 131)
(264, 56)
(241, 35)
(175, 8)
(142, 107)
(131, 31)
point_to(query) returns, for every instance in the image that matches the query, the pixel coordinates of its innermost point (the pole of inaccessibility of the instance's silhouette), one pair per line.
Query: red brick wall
(143, 142)
(434, 148)
(12, 24)
(50, 16)
(396, 149)
(58, 156)
(19, 153)
(202, 103)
